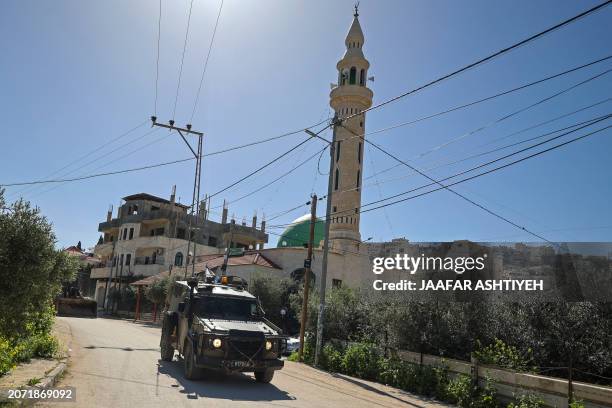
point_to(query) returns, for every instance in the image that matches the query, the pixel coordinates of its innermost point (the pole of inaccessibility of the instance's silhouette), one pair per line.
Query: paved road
(115, 363)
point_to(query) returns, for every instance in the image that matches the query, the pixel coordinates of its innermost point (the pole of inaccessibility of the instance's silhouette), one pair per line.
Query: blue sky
(74, 75)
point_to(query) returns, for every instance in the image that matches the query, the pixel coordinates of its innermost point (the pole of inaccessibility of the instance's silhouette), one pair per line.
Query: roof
(149, 280)
(150, 197)
(216, 260)
(249, 258)
(297, 234)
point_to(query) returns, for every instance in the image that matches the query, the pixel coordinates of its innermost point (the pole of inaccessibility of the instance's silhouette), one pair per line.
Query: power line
(581, 126)
(212, 40)
(492, 170)
(565, 115)
(157, 62)
(151, 166)
(178, 86)
(88, 154)
(489, 57)
(488, 98)
(285, 174)
(240, 180)
(266, 165)
(500, 119)
(590, 123)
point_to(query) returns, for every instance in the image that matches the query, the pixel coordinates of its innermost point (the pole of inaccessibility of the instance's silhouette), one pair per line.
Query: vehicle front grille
(246, 349)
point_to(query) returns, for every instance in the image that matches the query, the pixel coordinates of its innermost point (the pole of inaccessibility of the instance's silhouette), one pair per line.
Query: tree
(31, 270)
(157, 292)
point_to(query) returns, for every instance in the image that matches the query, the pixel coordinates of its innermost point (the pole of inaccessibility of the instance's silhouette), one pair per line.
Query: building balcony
(100, 273)
(139, 217)
(147, 260)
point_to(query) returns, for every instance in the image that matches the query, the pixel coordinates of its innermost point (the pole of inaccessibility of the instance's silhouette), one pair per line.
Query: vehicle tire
(167, 351)
(191, 371)
(264, 376)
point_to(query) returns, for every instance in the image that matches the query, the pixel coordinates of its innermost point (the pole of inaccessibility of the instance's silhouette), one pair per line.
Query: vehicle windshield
(217, 307)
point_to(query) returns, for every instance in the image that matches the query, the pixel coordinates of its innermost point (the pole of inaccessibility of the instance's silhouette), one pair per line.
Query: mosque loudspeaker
(332, 85)
(371, 78)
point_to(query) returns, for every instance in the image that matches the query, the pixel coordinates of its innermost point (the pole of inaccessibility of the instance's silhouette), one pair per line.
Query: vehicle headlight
(216, 343)
(268, 345)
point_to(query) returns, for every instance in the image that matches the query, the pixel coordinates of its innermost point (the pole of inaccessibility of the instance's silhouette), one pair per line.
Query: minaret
(350, 97)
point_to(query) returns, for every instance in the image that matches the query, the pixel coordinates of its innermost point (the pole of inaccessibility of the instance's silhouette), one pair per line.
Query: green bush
(332, 358)
(45, 346)
(503, 355)
(361, 360)
(293, 357)
(6, 357)
(460, 391)
(527, 401)
(576, 404)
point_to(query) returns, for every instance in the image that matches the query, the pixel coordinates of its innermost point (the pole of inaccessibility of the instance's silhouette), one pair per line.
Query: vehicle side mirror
(181, 307)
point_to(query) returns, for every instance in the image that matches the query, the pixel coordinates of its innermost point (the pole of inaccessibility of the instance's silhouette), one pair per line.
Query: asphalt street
(115, 363)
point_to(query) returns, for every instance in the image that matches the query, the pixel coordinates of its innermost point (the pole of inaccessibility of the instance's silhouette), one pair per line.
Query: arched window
(178, 259)
(362, 78)
(359, 153)
(338, 151)
(353, 76)
(358, 177)
(336, 181)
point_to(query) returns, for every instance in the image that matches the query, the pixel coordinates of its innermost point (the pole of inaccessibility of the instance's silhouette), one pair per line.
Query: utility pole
(321, 320)
(307, 271)
(195, 200)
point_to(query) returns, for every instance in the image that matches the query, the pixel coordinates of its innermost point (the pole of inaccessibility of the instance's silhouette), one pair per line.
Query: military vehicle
(217, 325)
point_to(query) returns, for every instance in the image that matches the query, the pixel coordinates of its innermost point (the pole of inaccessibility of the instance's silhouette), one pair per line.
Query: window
(353, 76)
(362, 78)
(359, 153)
(358, 178)
(336, 181)
(154, 208)
(178, 259)
(338, 151)
(212, 241)
(114, 261)
(159, 231)
(131, 233)
(121, 260)
(180, 233)
(128, 259)
(335, 209)
(124, 233)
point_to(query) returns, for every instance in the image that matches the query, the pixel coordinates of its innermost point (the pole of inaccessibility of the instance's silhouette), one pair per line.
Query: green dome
(298, 233)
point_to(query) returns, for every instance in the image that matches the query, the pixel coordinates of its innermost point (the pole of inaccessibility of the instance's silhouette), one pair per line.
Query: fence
(511, 384)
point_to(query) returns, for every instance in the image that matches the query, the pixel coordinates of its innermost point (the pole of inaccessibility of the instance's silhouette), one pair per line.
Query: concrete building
(150, 235)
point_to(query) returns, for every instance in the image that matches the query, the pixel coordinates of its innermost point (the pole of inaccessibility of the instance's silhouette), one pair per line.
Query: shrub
(503, 355)
(332, 358)
(576, 404)
(45, 346)
(527, 401)
(293, 357)
(460, 391)
(361, 360)
(6, 358)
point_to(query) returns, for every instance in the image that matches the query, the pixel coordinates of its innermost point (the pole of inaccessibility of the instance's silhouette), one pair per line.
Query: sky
(75, 76)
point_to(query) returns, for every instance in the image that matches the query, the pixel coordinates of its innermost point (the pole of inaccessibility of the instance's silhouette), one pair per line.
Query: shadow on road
(236, 387)
(92, 347)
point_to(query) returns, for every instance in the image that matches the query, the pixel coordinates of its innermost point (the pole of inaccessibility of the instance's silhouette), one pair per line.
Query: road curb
(48, 381)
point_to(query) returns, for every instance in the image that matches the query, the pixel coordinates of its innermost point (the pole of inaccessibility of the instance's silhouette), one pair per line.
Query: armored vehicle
(216, 324)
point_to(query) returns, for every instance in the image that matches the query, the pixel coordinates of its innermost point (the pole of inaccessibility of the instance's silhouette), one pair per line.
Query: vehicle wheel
(264, 376)
(191, 371)
(167, 351)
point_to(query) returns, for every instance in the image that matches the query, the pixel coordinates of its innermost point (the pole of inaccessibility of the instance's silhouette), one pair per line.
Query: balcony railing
(147, 260)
